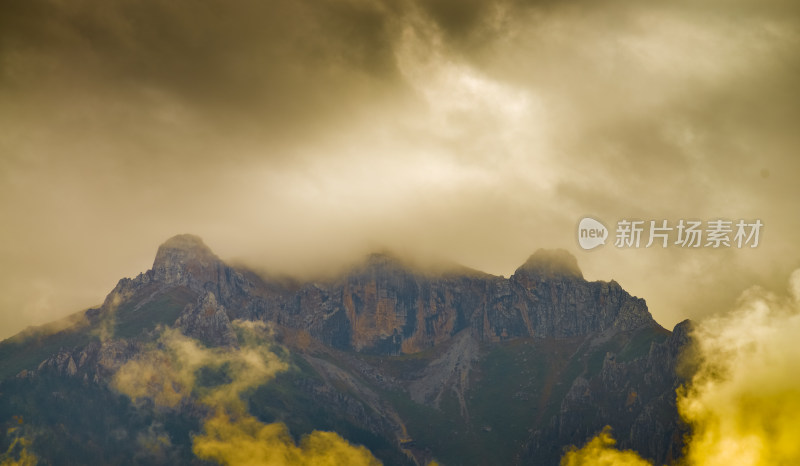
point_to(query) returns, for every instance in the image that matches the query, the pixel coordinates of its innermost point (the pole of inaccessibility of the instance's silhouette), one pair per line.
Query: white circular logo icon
(591, 233)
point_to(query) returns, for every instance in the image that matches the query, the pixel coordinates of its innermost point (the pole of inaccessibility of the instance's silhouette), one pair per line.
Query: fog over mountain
(297, 136)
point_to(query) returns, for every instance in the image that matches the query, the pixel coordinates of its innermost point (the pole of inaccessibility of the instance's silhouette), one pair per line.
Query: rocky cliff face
(384, 307)
(629, 394)
(208, 322)
(185, 261)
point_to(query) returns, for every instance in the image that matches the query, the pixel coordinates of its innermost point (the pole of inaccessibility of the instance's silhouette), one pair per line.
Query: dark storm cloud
(457, 18)
(298, 134)
(267, 64)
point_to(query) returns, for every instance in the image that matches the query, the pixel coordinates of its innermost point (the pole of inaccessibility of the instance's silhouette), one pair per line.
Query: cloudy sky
(294, 135)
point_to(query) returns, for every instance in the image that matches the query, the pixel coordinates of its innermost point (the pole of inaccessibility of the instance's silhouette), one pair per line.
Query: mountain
(412, 363)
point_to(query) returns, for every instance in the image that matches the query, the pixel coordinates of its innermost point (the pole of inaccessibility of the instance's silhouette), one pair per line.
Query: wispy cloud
(167, 374)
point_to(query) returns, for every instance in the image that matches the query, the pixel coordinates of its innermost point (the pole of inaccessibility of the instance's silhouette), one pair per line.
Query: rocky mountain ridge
(527, 364)
(386, 307)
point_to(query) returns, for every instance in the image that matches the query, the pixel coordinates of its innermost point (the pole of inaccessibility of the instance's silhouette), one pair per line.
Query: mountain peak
(383, 258)
(184, 242)
(431, 267)
(378, 262)
(181, 254)
(552, 263)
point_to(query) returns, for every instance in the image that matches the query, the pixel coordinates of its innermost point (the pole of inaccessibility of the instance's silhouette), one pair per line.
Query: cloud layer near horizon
(294, 135)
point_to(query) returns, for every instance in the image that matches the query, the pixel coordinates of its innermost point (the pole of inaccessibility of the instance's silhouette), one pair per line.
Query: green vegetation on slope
(290, 398)
(27, 352)
(28, 349)
(162, 309)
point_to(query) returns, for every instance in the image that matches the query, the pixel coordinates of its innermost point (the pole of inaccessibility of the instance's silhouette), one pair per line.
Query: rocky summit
(456, 365)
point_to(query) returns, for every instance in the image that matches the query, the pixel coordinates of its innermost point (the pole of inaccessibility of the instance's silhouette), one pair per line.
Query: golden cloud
(246, 441)
(168, 374)
(17, 453)
(600, 451)
(743, 403)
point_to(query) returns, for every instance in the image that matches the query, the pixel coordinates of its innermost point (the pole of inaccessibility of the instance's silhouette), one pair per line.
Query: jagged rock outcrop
(61, 363)
(96, 361)
(208, 322)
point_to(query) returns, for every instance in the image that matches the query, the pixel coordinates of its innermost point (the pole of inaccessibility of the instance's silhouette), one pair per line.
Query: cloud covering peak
(297, 135)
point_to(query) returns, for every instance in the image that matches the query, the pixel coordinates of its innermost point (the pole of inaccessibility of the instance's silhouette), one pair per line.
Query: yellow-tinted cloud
(246, 441)
(600, 451)
(154, 444)
(17, 453)
(744, 402)
(169, 373)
